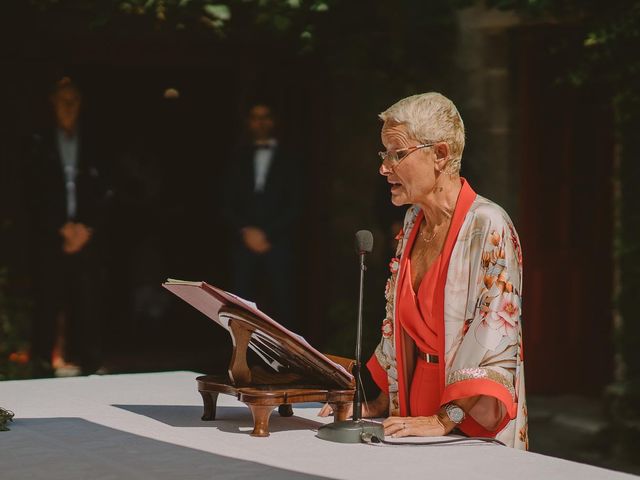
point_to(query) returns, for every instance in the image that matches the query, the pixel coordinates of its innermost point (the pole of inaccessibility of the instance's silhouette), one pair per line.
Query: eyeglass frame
(394, 163)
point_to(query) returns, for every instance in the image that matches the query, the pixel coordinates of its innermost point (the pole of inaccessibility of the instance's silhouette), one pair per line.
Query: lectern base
(349, 431)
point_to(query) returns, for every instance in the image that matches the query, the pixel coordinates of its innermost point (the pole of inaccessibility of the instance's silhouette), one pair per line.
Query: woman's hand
(437, 425)
(374, 409)
(432, 426)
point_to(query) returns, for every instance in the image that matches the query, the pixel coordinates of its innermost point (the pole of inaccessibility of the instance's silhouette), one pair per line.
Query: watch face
(455, 413)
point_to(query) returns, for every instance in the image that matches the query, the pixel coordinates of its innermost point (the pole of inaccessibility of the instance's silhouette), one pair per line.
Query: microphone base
(350, 431)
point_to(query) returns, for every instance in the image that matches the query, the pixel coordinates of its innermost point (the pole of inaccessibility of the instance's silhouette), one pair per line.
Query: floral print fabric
(482, 319)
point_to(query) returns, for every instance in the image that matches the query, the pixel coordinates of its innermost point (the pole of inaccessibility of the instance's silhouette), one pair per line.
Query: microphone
(356, 430)
(364, 245)
(364, 241)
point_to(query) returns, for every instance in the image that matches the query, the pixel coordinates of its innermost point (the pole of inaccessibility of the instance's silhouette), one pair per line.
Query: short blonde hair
(430, 117)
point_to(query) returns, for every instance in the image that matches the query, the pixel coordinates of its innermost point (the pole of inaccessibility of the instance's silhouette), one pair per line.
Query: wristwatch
(454, 412)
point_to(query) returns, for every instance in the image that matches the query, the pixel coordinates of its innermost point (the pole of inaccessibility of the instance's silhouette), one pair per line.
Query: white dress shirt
(262, 159)
(68, 148)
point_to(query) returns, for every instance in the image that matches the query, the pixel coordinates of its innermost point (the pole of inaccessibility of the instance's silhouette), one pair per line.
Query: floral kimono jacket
(482, 341)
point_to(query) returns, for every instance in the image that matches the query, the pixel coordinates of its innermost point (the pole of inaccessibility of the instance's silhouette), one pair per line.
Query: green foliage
(6, 416)
(221, 17)
(609, 43)
(307, 24)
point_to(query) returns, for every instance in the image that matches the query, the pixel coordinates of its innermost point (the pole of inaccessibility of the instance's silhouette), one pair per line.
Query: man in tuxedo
(66, 197)
(262, 204)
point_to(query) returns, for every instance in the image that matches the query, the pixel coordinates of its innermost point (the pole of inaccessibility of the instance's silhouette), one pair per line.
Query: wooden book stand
(296, 372)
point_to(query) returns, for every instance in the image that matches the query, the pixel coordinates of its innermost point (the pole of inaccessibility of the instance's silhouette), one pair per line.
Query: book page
(246, 302)
(175, 281)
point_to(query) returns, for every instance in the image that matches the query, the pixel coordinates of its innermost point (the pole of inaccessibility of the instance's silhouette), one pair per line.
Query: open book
(270, 341)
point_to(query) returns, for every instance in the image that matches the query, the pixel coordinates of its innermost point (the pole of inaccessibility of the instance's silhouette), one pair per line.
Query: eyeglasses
(393, 158)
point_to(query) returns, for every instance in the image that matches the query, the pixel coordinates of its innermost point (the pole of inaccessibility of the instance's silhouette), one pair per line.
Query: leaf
(221, 12)
(281, 22)
(594, 39)
(319, 7)
(6, 416)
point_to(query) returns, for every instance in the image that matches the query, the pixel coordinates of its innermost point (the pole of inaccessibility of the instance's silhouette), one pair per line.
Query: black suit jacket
(46, 195)
(276, 209)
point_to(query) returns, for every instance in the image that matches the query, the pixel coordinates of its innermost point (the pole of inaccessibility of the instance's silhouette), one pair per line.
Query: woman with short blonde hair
(451, 349)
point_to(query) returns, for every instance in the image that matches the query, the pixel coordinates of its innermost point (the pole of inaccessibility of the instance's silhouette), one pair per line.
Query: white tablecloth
(147, 426)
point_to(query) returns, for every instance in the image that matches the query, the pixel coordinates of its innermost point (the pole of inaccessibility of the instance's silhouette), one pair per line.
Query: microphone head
(364, 241)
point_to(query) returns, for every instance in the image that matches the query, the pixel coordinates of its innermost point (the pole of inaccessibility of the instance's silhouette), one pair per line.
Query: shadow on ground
(68, 446)
(228, 419)
(574, 428)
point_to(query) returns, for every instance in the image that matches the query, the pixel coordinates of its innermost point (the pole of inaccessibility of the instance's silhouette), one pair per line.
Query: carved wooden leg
(210, 399)
(239, 371)
(340, 411)
(285, 410)
(261, 414)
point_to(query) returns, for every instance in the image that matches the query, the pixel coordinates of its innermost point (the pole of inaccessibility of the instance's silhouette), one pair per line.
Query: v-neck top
(421, 313)
(416, 309)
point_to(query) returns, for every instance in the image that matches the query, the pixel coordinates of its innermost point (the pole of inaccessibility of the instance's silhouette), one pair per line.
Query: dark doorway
(566, 149)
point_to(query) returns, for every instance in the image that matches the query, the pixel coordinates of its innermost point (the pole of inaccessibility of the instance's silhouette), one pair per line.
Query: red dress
(415, 309)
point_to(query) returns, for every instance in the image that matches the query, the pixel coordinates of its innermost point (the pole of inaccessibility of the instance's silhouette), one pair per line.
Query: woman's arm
(377, 408)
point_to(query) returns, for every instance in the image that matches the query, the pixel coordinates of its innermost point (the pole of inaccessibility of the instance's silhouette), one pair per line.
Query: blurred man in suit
(66, 195)
(262, 203)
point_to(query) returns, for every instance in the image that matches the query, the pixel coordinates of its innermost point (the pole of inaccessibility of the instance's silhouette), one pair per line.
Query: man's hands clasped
(255, 239)
(75, 236)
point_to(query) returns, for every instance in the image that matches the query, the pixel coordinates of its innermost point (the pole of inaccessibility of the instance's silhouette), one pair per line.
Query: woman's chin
(398, 200)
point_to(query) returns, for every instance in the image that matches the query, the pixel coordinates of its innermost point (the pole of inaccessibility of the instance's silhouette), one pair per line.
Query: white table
(147, 426)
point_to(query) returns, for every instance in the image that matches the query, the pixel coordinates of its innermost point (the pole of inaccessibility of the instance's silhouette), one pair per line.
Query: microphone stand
(352, 431)
(357, 397)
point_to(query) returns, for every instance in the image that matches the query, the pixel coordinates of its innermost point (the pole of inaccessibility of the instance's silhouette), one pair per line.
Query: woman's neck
(438, 205)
